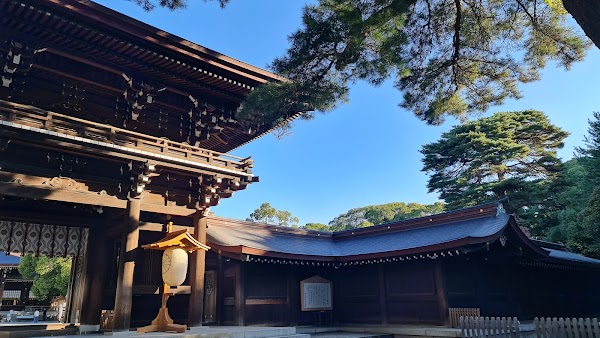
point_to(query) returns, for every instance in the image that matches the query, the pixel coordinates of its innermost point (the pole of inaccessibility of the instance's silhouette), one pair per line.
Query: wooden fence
(454, 314)
(481, 327)
(566, 328)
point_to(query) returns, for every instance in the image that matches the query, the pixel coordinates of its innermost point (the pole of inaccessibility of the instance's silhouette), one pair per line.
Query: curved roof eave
(261, 241)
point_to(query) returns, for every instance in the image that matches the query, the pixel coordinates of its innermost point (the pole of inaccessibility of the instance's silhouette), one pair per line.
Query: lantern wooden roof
(181, 238)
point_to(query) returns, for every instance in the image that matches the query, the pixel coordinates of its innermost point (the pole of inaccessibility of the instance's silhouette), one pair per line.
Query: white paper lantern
(174, 266)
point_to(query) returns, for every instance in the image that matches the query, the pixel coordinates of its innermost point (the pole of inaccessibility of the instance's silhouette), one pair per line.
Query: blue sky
(365, 152)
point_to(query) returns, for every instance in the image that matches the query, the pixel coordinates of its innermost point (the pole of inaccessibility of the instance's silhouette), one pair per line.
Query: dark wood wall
(356, 291)
(250, 293)
(506, 288)
(266, 295)
(392, 293)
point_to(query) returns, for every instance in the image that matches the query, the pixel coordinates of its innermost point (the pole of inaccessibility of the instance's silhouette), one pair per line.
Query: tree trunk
(587, 15)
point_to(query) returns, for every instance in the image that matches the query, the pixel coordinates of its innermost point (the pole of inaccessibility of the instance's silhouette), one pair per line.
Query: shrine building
(111, 129)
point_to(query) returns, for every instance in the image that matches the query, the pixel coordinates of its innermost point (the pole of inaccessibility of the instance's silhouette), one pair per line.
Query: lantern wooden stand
(177, 239)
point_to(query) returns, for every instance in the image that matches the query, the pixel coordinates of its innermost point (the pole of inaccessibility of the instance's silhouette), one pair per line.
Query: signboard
(316, 294)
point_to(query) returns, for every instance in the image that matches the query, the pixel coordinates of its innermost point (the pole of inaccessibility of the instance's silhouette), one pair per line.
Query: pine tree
(510, 154)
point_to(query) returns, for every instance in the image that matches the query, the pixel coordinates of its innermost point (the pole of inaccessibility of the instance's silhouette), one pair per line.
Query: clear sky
(365, 152)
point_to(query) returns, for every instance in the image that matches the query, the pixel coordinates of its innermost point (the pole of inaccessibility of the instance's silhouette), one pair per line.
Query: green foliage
(579, 218)
(556, 6)
(378, 214)
(341, 41)
(170, 4)
(274, 103)
(590, 236)
(317, 226)
(448, 57)
(592, 150)
(575, 195)
(269, 215)
(508, 154)
(50, 275)
(467, 55)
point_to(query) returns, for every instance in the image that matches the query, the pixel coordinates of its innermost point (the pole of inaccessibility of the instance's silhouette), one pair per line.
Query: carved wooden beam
(49, 192)
(37, 217)
(84, 197)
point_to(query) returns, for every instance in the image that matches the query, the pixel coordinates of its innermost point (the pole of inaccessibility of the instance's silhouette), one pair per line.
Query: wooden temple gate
(109, 129)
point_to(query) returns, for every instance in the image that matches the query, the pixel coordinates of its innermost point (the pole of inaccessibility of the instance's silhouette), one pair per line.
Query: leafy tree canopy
(317, 226)
(590, 236)
(508, 154)
(579, 218)
(269, 215)
(50, 275)
(448, 57)
(591, 150)
(574, 196)
(170, 4)
(379, 214)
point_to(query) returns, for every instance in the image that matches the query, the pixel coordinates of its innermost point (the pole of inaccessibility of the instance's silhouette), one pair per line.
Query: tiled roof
(262, 238)
(428, 234)
(9, 260)
(570, 256)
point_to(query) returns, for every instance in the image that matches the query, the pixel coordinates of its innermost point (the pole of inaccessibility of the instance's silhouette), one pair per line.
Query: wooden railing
(454, 314)
(488, 327)
(67, 125)
(566, 327)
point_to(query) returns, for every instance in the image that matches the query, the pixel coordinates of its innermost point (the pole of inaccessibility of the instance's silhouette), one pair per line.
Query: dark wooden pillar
(293, 295)
(240, 295)
(24, 297)
(129, 247)
(382, 295)
(96, 272)
(68, 314)
(197, 267)
(440, 288)
(220, 280)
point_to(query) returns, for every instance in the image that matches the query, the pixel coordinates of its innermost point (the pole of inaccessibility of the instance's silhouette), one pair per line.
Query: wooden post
(70, 297)
(240, 294)
(440, 289)
(129, 246)
(220, 280)
(292, 296)
(24, 297)
(197, 267)
(382, 295)
(95, 271)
